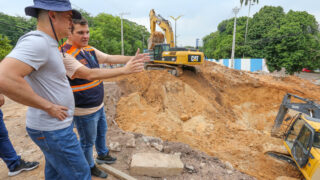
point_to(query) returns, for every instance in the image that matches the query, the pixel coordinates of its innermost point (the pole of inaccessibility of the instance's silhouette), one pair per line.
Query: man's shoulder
(33, 49)
(69, 49)
(34, 38)
(37, 37)
(88, 48)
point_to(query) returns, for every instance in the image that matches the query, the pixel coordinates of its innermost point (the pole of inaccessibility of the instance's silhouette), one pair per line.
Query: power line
(1, 22)
(8, 30)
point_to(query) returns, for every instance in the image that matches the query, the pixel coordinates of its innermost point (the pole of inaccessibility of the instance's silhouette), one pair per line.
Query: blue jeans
(7, 152)
(63, 154)
(92, 129)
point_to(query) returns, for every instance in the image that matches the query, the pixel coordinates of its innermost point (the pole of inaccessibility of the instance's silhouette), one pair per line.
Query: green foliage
(5, 46)
(219, 44)
(286, 40)
(14, 27)
(105, 31)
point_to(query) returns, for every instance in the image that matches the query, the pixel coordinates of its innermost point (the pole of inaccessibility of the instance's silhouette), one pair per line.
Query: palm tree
(246, 2)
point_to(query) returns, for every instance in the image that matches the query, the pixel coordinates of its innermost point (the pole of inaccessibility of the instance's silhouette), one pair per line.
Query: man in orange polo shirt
(82, 65)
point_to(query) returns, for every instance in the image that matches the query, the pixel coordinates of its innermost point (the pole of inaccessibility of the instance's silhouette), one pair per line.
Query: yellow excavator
(167, 55)
(300, 134)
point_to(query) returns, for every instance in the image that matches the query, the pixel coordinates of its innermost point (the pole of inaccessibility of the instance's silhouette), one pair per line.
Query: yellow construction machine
(166, 55)
(301, 134)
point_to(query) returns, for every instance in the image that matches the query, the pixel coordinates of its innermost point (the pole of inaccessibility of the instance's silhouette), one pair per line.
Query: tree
(289, 40)
(294, 45)
(248, 1)
(5, 46)
(105, 34)
(104, 31)
(263, 22)
(219, 44)
(14, 27)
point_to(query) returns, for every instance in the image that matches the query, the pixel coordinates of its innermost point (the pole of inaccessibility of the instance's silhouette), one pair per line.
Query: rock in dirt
(184, 117)
(190, 169)
(115, 146)
(131, 142)
(157, 146)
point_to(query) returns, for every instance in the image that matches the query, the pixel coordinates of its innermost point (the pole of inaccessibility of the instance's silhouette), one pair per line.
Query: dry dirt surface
(198, 165)
(218, 120)
(225, 113)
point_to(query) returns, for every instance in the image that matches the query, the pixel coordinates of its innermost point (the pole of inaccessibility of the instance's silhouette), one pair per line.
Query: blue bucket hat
(51, 5)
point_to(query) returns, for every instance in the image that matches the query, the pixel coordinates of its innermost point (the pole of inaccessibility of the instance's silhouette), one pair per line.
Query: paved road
(309, 76)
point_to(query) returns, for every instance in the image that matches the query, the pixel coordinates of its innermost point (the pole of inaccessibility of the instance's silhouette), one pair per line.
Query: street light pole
(175, 28)
(235, 10)
(121, 17)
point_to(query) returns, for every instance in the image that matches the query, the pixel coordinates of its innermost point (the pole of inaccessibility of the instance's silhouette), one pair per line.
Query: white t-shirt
(48, 80)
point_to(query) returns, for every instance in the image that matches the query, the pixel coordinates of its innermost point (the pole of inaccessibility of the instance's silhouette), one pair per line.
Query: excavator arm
(307, 107)
(164, 25)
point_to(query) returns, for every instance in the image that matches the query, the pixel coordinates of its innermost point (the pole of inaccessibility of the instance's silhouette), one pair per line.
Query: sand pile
(225, 113)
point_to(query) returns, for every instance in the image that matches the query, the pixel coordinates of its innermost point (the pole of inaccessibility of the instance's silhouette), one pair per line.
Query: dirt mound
(198, 165)
(223, 112)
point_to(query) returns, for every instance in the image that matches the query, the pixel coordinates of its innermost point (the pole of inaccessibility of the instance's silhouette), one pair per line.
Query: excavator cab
(301, 136)
(299, 140)
(158, 50)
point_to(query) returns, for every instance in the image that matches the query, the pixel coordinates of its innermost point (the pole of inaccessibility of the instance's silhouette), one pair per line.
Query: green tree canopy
(14, 27)
(289, 40)
(105, 32)
(218, 44)
(5, 46)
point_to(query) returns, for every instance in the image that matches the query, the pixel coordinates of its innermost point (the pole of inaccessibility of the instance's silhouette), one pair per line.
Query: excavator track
(283, 157)
(174, 70)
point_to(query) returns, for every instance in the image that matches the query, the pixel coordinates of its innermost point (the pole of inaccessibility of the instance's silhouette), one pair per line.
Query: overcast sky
(200, 17)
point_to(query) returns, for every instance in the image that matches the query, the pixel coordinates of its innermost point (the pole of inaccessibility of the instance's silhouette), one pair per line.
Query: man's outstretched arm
(14, 86)
(104, 58)
(134, 65)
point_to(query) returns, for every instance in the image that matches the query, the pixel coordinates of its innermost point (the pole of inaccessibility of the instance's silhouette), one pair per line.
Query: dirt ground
(197, 164)
(218, 120)
(225, 113)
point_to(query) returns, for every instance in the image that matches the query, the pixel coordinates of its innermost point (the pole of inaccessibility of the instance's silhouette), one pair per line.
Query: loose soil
(219, 120)
(225, 113)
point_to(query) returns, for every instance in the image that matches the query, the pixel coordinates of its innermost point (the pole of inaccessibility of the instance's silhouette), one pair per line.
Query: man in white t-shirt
(33, 74)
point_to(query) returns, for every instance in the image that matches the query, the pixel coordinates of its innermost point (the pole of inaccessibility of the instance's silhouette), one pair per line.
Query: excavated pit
(223, 112)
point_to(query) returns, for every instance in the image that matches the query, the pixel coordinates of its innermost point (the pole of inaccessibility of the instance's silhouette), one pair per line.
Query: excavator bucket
(305, 106)
(280, 116)
(156, 38)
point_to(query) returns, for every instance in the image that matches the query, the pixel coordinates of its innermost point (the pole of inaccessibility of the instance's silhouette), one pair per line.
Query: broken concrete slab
(155, 165)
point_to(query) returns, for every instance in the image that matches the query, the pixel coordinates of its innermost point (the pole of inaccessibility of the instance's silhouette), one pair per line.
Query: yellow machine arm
(164, 25)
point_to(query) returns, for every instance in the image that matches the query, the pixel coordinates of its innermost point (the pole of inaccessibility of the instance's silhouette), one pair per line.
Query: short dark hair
(81, 21)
